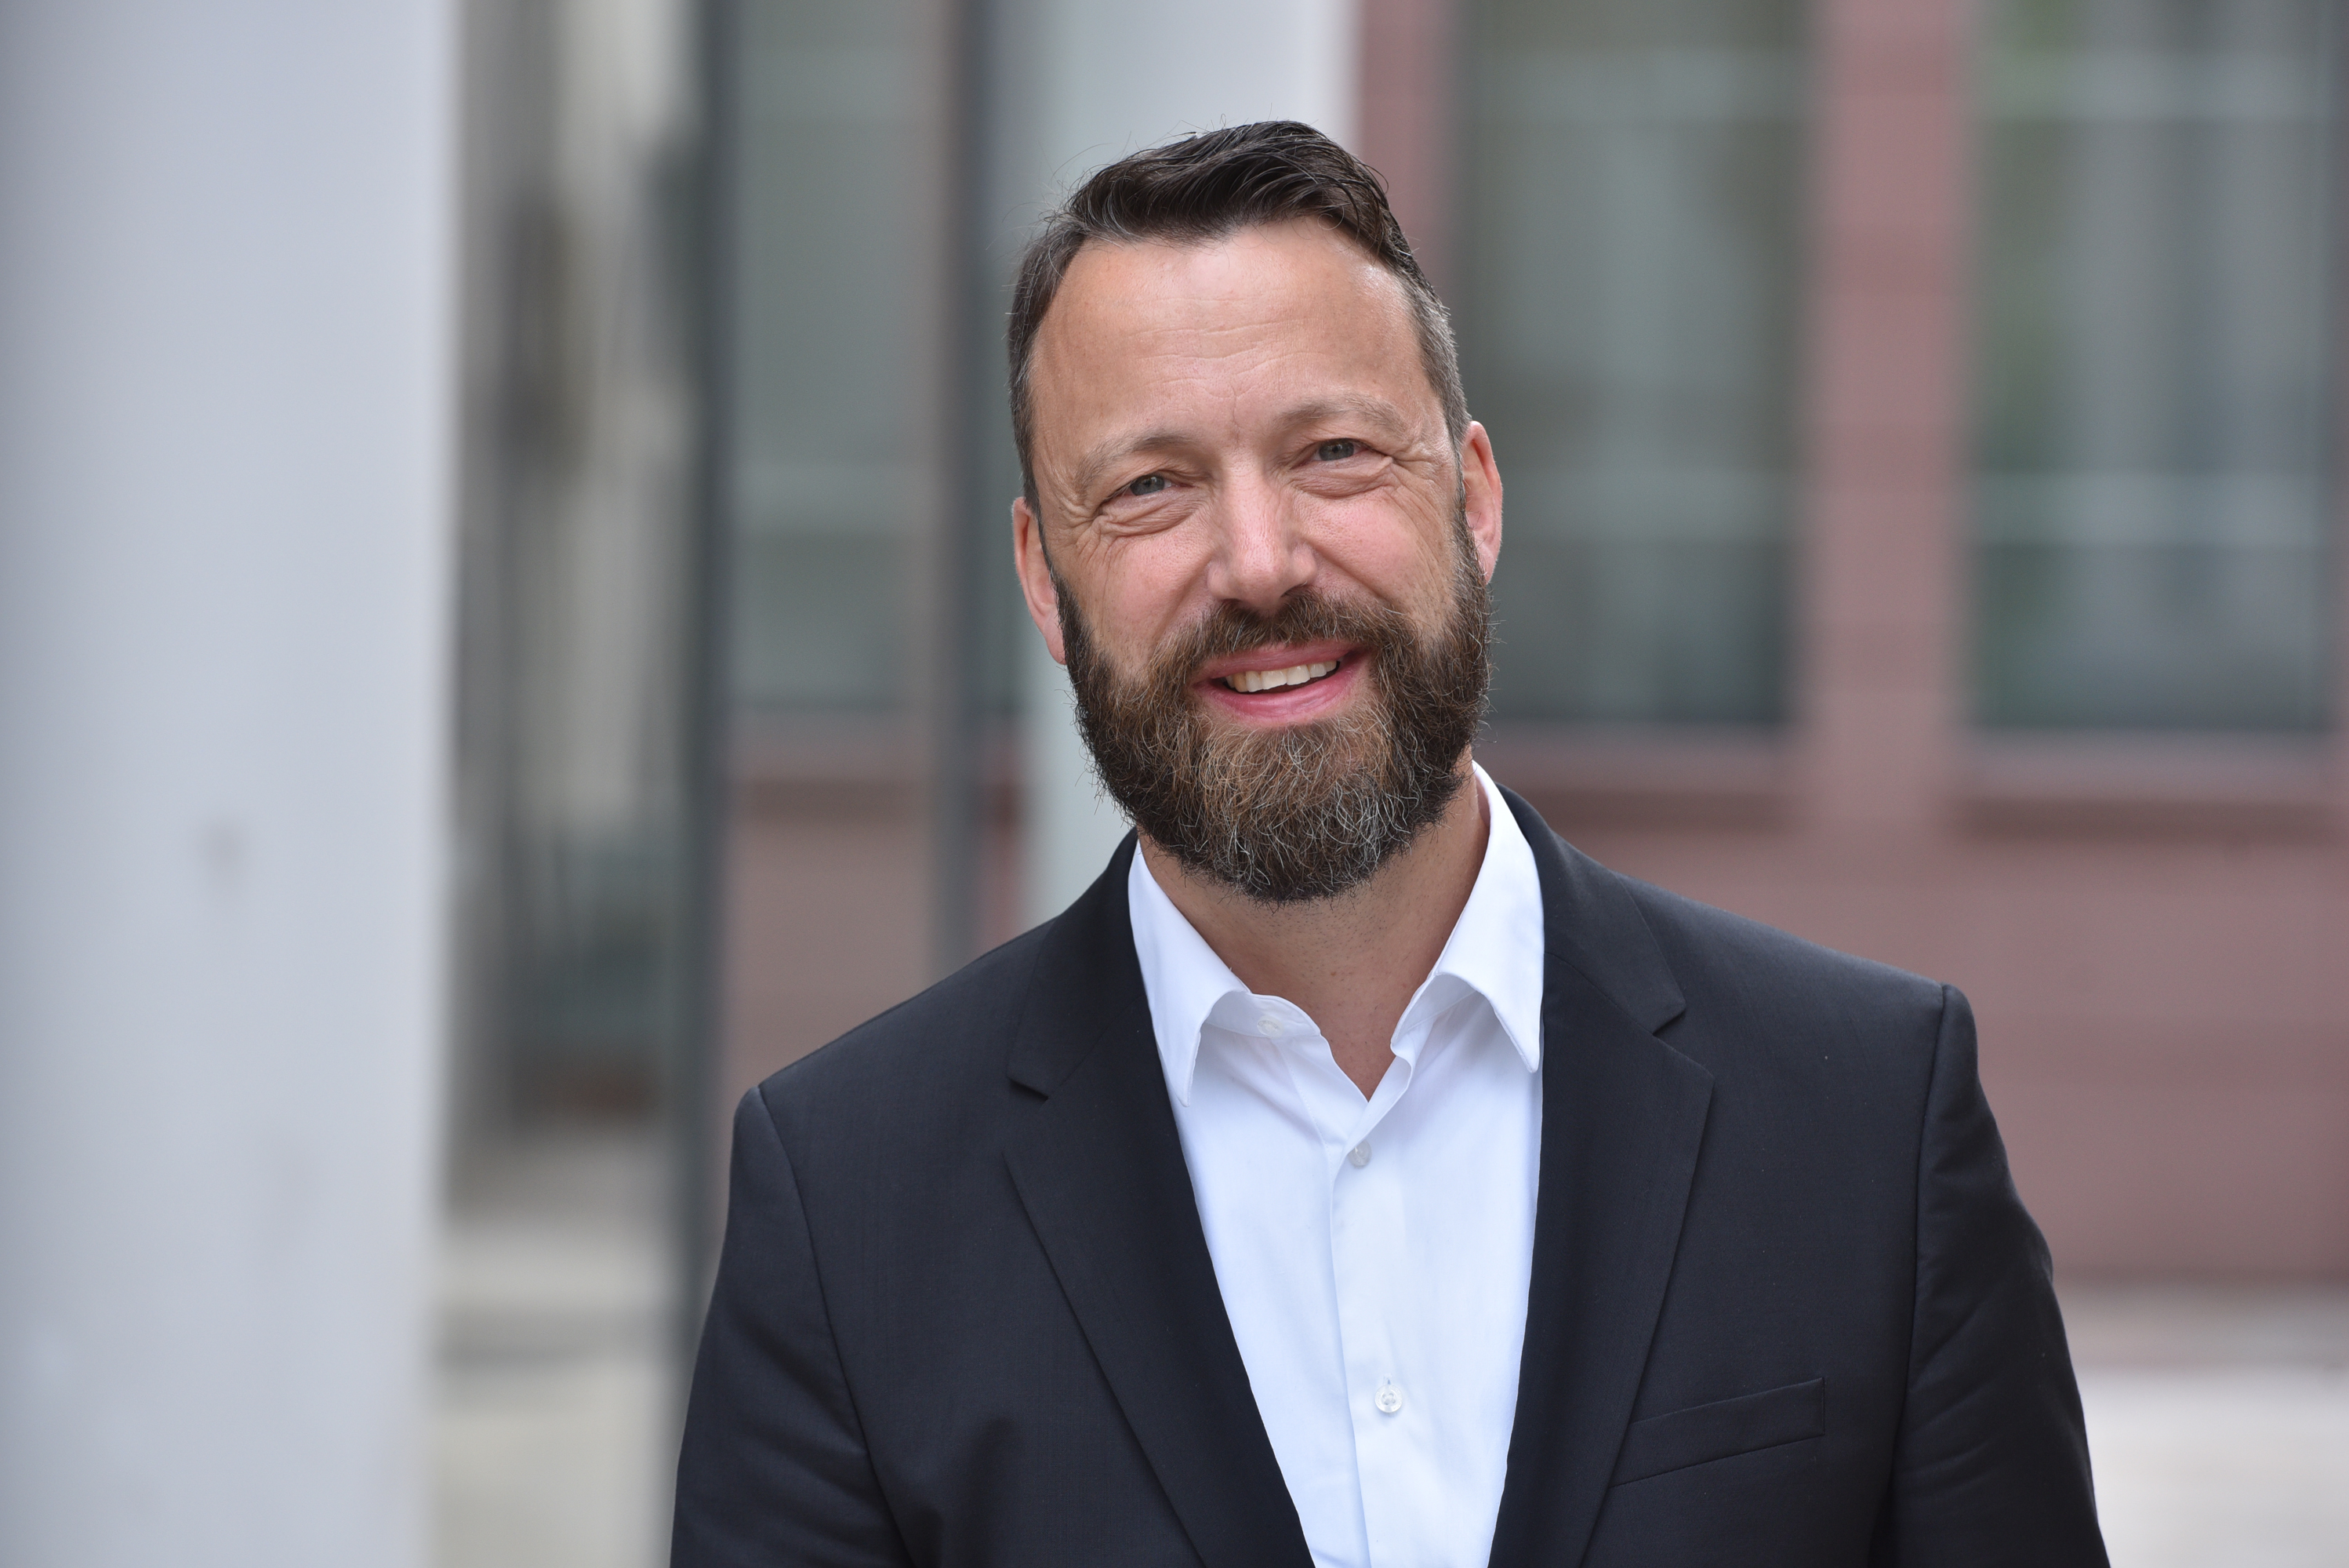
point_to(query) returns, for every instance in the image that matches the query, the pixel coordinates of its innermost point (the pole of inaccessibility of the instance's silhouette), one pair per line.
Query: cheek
(1124, 621)
(1146, 588)
(1404, 560)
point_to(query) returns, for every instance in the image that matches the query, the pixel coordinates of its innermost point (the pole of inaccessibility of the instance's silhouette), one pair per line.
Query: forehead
(1217, 333)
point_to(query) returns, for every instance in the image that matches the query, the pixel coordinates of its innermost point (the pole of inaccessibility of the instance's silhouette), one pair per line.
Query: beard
(1309, 810)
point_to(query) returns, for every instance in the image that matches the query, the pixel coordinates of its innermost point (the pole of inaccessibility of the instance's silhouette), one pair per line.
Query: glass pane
(2153, 487)
(581, 561)
(1629, 334)
(831, 201)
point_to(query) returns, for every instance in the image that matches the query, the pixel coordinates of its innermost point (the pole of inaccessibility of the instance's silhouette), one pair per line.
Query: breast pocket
(1702, 1433)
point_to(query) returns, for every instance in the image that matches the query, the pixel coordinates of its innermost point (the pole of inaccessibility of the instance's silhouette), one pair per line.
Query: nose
(1261, 555)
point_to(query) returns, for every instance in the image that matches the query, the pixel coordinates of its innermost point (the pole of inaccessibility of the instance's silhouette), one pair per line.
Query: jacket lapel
(1622, 1118)
(1099, 1169)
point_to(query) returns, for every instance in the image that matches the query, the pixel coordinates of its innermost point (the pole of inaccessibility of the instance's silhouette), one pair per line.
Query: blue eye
(1148, 484)
(1337, 451)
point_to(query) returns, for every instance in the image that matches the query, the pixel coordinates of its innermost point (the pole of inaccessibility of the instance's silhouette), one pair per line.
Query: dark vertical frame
(958, 781)
(707, 225)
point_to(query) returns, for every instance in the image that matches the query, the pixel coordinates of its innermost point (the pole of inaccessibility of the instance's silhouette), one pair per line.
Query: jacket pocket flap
(1702, 1433)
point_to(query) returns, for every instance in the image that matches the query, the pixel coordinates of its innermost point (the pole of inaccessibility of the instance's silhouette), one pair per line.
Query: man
(1356, 1174)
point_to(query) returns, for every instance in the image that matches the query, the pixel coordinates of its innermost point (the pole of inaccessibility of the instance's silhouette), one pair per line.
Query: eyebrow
(1373, 412)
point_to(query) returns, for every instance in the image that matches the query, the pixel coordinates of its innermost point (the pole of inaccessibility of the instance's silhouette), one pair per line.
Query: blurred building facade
(1920, 428)
(580, 579)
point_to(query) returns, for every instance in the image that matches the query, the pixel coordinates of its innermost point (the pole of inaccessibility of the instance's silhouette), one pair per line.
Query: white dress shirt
(1373, 1255)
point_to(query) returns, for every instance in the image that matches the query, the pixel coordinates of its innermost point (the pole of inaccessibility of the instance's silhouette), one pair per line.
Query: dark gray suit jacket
(1785, 1307)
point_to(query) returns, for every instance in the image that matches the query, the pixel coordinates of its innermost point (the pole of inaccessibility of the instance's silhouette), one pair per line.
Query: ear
(1480, 476)
(1036, 583)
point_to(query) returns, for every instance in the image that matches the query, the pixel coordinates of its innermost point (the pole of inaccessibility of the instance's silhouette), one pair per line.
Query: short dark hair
(1206, 186)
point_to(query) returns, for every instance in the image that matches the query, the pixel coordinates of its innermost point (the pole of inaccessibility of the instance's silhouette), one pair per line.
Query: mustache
(1229, 629)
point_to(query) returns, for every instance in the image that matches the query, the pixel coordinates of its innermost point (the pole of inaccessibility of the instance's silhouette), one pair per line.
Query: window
(831, 375)
(2153, 487)
(1629, 334)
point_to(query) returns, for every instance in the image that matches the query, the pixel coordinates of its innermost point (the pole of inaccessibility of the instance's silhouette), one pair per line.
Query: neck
(1354, 962)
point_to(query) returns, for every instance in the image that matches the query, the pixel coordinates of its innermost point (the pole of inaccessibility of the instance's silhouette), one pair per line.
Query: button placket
(1390, 1434)
(1369, 1242)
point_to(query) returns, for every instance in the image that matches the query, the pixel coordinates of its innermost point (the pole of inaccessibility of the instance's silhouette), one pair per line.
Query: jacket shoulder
(936, 1046)
(1757, 983)
(1705, 937)
(1820, 1060)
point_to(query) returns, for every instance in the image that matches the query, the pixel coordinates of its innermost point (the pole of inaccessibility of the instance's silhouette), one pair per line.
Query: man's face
(1244, 479)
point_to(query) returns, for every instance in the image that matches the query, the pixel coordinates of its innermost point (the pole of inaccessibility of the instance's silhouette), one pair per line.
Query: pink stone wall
(2164, 1031)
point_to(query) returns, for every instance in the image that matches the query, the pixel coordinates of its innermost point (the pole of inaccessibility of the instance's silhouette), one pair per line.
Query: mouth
(1280, 685)
(1251, 681)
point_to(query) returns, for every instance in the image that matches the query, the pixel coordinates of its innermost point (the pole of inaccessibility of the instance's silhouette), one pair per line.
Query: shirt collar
(1495, 950)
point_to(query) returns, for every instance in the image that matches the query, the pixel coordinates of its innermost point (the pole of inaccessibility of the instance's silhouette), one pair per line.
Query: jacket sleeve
(773, 1468)
(1991, 1462)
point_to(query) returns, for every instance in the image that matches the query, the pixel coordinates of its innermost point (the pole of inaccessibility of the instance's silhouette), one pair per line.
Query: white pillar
(1113, 79)
(223, 733)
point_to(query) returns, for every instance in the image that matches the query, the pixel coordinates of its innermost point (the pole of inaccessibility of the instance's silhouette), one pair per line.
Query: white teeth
(1268, 680)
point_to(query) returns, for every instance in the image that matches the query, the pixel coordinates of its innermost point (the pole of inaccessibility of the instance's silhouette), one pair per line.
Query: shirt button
(1389, 1399)
(1268, 1023)
(1359, 1156)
